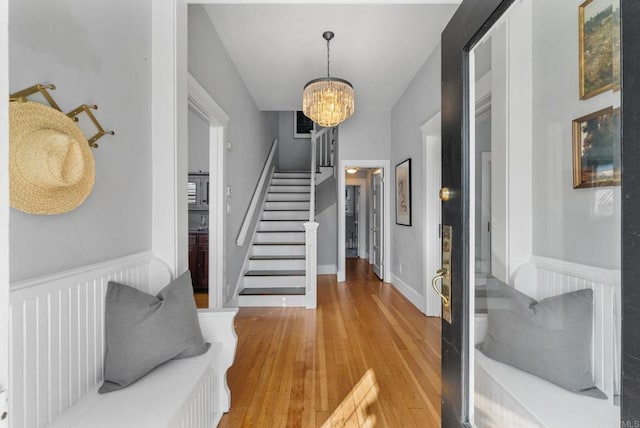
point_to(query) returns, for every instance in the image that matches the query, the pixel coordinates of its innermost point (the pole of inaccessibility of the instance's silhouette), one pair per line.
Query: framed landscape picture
(596, 149)
(403, 193)
(599, 33)
(302, 125)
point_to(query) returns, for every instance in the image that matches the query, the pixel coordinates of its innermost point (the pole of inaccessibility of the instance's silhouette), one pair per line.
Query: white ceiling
(379, 48)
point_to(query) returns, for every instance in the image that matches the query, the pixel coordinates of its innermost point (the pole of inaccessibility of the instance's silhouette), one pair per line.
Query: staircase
(281, 267)
(277, 262)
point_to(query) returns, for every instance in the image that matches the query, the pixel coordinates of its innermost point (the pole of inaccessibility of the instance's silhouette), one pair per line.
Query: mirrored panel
(545, 217)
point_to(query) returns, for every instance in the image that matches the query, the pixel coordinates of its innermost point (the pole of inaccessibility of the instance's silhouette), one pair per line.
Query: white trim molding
(199, 98)
(258, 194)
(431, 243)
(327, 269)
(409, 292)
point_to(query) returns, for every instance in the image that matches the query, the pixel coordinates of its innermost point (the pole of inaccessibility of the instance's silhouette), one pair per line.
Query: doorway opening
(205, 202)
(352, 210)
(363, 216)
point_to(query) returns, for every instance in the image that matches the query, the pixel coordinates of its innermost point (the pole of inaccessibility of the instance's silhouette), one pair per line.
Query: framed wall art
(599, 34)
(596, 149)
(302, 125)
(403, 193)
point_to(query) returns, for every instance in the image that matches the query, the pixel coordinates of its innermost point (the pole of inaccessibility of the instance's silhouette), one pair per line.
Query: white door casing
(170, 90)
(200, 99)
(377, 225)
(432, 243)
(361, 184)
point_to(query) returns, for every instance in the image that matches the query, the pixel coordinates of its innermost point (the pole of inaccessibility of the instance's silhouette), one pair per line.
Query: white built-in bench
(509, 397)
(57, 348)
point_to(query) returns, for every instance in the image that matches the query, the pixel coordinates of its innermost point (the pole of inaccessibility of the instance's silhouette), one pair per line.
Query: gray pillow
(143, 331)
(550, 339)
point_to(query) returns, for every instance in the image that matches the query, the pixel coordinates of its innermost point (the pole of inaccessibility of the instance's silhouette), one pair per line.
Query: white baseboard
(327, 269)
(412, 295)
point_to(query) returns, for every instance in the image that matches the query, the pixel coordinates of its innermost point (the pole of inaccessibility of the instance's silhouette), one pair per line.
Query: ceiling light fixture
(328, 100)
(352, 170)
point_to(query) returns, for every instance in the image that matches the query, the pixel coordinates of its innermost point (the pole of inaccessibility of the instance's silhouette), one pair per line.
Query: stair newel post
(312, 195)
(311, 234)
(311, 261)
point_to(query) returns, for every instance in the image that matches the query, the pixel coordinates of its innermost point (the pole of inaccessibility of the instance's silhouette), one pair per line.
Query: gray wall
(198, 142)
(419, 102)
(365, 135)
(294, 154)
(562, 215)
(95, 53)
(250, 131)
(326, 216)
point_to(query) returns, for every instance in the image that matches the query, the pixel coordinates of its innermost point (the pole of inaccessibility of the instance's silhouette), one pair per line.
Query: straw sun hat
(51, 167)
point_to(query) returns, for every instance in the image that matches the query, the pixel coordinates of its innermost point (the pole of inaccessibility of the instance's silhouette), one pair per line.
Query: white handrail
(256, 195)
(312, 182)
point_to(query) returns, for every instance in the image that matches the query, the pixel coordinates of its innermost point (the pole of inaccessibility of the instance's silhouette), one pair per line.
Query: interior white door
(377, 232)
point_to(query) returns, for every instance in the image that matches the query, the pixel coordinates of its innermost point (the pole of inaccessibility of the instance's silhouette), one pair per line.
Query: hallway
(365, 357)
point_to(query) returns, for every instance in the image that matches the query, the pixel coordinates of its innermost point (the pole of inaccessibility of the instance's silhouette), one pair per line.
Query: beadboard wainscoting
(57, 338)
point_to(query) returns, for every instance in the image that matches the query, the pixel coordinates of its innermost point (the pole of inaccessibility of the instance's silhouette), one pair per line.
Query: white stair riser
(278, 250)
(289, 188)
(291, 175)
(286, 205)
(280, 237)
(272, 281)
(282, 225)
(288, 197)
(292, 181)
(285, 215)
(271, 301)
(277, 264)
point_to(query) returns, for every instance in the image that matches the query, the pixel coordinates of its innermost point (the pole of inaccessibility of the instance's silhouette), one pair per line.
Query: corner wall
(95, 53)
(294, 154)
(250, 131)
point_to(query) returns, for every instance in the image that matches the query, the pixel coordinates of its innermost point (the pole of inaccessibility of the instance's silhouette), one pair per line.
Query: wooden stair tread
(275, 257)
(278, 291)
(278, 243)
(279, 231)
(275, 273)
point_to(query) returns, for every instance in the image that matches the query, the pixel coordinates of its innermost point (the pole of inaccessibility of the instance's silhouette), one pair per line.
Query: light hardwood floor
(366, 357)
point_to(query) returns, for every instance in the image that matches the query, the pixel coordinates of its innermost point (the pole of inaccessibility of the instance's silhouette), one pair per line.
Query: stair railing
(321, 155)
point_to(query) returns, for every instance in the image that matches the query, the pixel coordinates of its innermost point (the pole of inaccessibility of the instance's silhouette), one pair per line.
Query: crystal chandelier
(328, 100)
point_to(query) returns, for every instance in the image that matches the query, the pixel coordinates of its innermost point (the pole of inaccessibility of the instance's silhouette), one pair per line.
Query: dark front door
(596, 199)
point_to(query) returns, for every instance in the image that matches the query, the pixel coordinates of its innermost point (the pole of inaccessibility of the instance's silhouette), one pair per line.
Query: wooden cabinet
(199, 260)
(198, 191)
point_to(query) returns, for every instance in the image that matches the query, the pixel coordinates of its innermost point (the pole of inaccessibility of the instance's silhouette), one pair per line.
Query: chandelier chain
(328, 57)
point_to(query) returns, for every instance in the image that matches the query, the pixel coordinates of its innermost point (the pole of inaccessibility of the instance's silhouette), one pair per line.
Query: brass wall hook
(39, 87)
(87, 109)
(21, 96)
